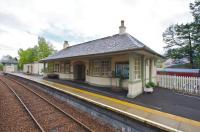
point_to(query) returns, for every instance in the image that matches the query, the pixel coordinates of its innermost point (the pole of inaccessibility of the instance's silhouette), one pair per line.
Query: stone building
(119, 61)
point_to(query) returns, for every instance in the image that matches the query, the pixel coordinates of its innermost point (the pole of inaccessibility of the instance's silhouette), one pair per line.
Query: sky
(77, 21)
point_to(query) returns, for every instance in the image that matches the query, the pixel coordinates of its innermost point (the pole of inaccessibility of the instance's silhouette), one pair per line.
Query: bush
(147, 85)
(150, 85)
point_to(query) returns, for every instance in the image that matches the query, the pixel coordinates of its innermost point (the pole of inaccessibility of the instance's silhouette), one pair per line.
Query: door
(80, 72)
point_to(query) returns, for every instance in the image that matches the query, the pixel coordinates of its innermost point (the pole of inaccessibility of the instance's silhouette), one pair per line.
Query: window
(56, 68)
(67, 67)
(155, 62)
(100, 67)
(122, 70)
(62, 67)
(106, 66)
(137, 69)
(147, 62)
(50, 67)
(96, 68)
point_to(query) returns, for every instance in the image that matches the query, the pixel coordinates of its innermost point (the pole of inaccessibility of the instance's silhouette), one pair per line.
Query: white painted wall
(106, 82)
(25, 68)
(134, 89)
(65, 76)
(36, 68)
(11, 68)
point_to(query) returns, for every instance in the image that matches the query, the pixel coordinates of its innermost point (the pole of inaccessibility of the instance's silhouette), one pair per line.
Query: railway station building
(120, 62)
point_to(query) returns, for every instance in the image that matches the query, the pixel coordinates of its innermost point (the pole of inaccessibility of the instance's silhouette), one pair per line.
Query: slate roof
(115, 43)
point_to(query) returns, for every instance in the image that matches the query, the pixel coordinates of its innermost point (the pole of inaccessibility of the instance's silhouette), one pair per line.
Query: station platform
(162, 120)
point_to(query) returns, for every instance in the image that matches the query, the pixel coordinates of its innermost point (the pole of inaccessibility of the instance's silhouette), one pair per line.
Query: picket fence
(180, 83)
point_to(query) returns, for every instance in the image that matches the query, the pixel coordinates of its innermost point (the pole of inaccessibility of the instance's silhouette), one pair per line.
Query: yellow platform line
(149, 110)
(69, 90)
(54, 85)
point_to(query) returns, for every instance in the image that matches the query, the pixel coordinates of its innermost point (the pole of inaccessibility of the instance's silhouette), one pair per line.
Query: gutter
(108, 53)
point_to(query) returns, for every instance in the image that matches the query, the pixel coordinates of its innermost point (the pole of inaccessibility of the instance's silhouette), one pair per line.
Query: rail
(20, 100)
(55, 106)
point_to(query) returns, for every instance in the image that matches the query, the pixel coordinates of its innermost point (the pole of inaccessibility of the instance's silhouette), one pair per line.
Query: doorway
(79, 72)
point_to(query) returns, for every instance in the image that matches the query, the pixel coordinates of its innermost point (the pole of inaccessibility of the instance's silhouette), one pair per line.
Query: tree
(1, 67)
(175, 53)
(38, 52)
(180, 38)
(195, 8)
(7, 59)
(26, 56)
(44, 49)
(183, 40)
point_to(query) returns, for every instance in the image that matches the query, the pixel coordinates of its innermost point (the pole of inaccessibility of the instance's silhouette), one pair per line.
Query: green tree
(183, 40)
(38, 52)
(1, 67)
(195, 8)
(26, 56)
(180, 40)
(175, 53)
(7, 59)
(44, 49)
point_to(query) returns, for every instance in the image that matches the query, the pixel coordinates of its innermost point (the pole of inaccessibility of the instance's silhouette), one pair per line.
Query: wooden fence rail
(180, 83)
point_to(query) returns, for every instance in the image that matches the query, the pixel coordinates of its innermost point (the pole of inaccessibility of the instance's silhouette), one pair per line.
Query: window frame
(147, 62)
(62, 67)
(69, 67)
(50, 67)
(105, 67)
(100, 70)
(122, 63)
(137, 70)
(56, 67)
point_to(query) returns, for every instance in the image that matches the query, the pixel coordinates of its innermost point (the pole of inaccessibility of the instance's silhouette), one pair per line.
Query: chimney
(66, 44)
(122, 28)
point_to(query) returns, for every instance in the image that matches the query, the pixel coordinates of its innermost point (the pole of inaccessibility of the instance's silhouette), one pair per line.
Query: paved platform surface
(154, 117)
(161, 99)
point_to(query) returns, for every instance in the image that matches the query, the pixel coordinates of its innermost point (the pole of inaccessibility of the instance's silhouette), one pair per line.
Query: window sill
(135, 81)
(99, 76)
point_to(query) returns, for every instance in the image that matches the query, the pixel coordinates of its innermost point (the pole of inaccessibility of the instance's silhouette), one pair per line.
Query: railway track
(46, 115)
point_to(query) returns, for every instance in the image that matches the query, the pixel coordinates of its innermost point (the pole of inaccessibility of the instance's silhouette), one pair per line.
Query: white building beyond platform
(10, 68)
(33, 68)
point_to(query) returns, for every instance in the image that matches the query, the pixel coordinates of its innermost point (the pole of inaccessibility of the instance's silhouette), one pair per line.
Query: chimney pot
(66, 44)
(122, 22)
(122, 28)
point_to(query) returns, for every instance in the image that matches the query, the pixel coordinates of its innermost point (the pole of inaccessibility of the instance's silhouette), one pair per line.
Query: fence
(180, 83)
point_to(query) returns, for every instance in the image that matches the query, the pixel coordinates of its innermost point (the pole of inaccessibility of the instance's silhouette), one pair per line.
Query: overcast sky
(22, 21)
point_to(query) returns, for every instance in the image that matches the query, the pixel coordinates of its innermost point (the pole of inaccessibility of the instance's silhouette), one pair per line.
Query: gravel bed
(52, 119)
(13, 116)
(94, 124)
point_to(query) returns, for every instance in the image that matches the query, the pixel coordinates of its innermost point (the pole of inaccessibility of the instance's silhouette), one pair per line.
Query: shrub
(150, 85)
(147, 85)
